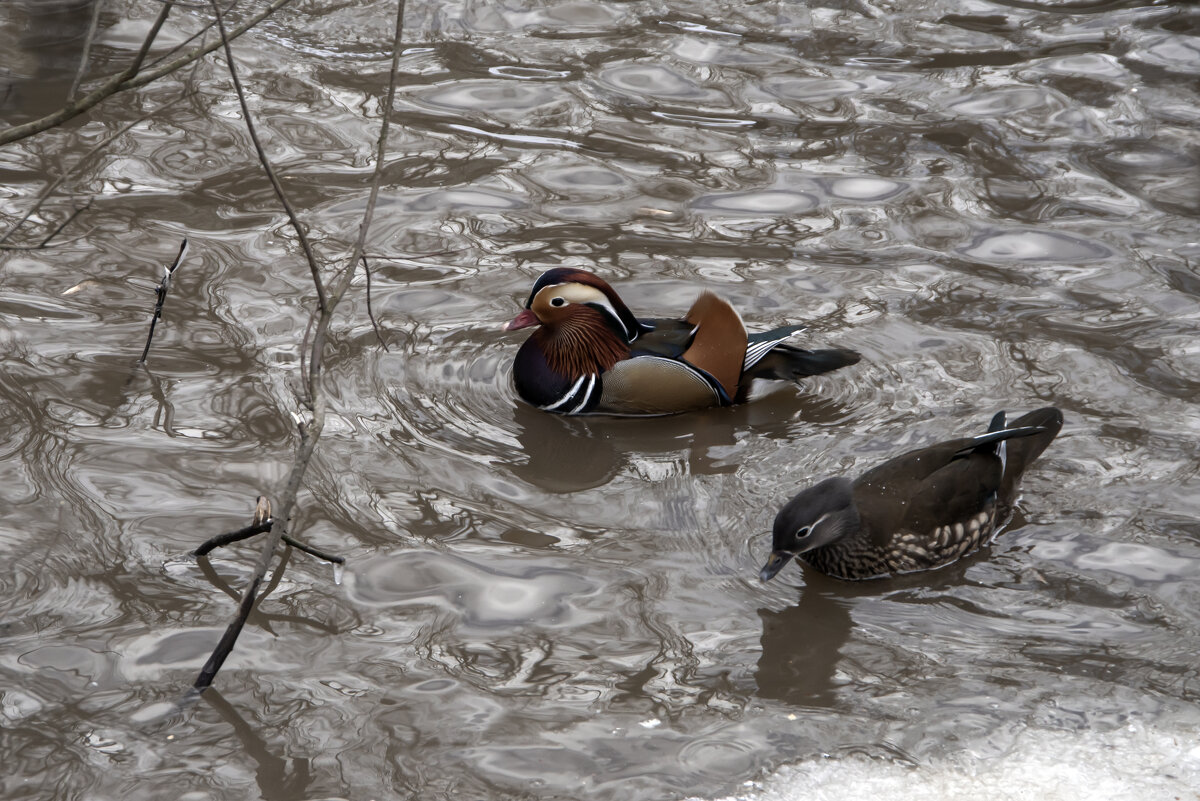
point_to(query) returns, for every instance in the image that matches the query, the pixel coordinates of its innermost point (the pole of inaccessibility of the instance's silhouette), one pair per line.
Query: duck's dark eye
(558, 301)
(802, 533)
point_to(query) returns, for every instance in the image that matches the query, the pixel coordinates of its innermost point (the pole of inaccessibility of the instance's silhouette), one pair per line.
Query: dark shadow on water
(802, 644)
(275, 781)
(568, 454)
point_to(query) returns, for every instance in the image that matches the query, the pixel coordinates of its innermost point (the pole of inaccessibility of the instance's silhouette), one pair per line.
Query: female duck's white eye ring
(802, 532)
(559, 301)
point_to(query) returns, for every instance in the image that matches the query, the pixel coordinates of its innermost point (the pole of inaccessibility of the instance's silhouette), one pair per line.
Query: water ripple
(486, 595)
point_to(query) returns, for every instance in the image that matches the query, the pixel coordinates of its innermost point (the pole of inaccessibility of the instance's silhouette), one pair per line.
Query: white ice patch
(1130, 764)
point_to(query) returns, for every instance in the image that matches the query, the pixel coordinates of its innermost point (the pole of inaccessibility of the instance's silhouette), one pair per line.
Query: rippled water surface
(996, 203)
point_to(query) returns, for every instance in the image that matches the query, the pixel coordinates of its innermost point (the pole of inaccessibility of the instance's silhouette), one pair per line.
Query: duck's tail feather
(787, 363)
(995, 437)
(1017, 442)
(1022, 452)
(760, 344)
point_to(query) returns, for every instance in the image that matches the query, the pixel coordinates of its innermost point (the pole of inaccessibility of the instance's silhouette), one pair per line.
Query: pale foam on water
(1131, 764)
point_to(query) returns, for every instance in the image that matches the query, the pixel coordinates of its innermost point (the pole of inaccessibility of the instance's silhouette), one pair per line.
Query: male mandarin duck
(921, 510)
(591, 355)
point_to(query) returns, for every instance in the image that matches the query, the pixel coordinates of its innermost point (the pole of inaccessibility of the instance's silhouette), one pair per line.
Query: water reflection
(278, 778)
(568, 454)
(996, 206)
(485, 595)
(802, 644)
(571, 454)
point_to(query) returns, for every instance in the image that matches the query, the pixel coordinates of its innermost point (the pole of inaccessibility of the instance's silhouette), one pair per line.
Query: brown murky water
(995, 202)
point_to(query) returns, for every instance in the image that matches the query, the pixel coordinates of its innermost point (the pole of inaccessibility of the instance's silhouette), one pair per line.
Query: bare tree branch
(86, 157)
(208, 26)
(311, 551)
(313, 267)
(230, 537)
(127, 80)
(318, 344)
(110, 87)
(261, 527)
(311, 434)
(153, 74)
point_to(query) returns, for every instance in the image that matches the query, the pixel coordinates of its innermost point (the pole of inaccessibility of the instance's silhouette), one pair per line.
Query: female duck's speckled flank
(591, 355)
(921, 510)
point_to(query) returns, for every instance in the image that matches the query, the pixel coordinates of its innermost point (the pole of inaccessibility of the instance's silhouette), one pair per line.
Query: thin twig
(108, 140)
(106, 89)
(186, 5)
(308, 329)
(157, 72)
(148, 42)
(347, 275)
(208, 26)
(311, 434)
(86, 157)
(65, 223)
(311, 551)
(253, 529)
(370, 313)
(415, 259)
(230, 537)
(126, 81)
(266, 163)
(85, 55)
(161, 292)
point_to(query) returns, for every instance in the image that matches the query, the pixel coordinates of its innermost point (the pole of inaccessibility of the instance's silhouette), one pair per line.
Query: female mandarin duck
(921, 510)
(591, 355)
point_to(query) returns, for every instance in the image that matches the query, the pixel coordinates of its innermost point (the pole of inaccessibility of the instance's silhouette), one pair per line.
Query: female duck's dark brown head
(816, 517)
(585, 327)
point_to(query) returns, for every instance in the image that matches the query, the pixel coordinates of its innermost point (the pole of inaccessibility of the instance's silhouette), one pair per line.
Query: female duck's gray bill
(774, 564)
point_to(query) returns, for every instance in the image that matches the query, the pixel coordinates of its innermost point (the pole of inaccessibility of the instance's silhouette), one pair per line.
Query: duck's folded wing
(658, 385)
(917, 489)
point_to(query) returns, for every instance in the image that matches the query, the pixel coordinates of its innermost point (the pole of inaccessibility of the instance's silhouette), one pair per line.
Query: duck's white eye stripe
(818, 522)
(590, 295)
(608, 308)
